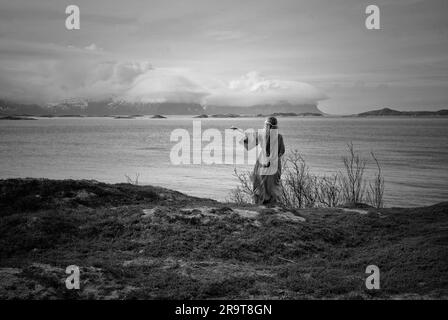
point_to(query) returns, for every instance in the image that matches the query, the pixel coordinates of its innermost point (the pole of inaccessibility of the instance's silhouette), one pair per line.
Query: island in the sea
(392, 112)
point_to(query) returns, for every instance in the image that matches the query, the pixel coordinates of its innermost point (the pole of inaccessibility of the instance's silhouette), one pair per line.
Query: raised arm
(250, 140)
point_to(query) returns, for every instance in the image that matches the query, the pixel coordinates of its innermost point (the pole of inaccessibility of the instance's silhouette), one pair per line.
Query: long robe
(265, 179)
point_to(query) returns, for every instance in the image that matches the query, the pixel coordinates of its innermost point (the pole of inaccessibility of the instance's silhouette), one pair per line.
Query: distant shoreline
(224, 116)
(123, 110)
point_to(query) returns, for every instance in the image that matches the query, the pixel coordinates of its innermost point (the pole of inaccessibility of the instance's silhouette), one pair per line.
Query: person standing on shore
(268, 167)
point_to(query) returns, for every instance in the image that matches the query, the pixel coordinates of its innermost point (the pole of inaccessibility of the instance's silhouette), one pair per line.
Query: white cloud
(252, 89)
(127, 72)
(183, 85)
(165, 85)
(91, 73)
(52, 72)
(93, 47)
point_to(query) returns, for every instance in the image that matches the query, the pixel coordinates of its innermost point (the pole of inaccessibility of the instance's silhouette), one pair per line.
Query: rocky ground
(145, 242)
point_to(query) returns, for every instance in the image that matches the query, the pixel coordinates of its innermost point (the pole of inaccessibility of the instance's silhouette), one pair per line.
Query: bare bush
(376, 188)
(300, 188)
(238, 196)
(297, 185)
(244, 192)
(329, 190)
(133, 181)
(353, 184)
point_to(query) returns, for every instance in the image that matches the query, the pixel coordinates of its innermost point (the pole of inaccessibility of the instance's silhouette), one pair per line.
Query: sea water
(413, 152)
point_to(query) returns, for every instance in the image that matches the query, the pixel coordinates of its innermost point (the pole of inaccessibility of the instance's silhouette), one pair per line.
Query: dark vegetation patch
(176, 257)
(27, 195)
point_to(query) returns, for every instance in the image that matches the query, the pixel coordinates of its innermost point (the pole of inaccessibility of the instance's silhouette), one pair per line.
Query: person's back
(267, 170)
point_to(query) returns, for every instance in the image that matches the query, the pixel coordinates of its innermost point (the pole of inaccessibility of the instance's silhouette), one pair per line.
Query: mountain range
(110, 107)
(280, 107)
(120, 107)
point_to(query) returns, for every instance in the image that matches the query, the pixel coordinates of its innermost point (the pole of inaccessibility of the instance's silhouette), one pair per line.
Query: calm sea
(413, 152)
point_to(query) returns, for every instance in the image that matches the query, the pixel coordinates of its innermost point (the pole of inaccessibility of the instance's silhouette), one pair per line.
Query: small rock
(83, 195)
(360, 211)
(248, 214)
(289, 216)
(148, 213)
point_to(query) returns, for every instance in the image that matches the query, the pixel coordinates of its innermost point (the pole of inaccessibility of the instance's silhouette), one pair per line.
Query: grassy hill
(391, 112)
(145, 242)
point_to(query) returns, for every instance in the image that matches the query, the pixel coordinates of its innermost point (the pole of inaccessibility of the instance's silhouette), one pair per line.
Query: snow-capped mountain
(77, 106)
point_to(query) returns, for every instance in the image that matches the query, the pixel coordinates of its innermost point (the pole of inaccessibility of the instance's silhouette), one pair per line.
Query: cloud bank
(164, 85)
(254, 89)
(59, 73)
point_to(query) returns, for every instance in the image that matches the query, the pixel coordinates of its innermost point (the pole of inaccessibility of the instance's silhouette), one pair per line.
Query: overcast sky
(228, 52)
